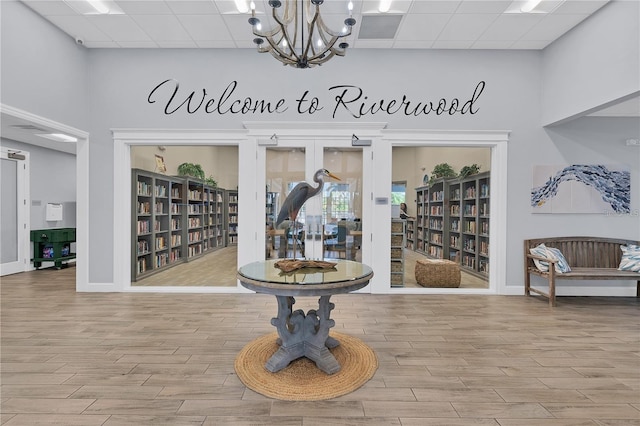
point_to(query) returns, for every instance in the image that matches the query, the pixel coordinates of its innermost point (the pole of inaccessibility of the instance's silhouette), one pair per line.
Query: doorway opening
(185, 216)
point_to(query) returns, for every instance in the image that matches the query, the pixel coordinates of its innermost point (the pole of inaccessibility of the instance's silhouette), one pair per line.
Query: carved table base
(304, 335)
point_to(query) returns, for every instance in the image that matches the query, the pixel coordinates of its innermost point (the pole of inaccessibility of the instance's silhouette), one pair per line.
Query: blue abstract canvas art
(581, 188)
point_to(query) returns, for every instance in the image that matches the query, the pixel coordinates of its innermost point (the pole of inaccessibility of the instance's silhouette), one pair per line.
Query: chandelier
(300, 39)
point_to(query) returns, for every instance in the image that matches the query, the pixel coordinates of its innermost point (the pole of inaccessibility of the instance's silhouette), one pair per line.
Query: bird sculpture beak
(331, 175)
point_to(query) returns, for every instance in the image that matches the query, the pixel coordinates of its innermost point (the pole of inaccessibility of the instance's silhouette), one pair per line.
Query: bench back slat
(588, 252)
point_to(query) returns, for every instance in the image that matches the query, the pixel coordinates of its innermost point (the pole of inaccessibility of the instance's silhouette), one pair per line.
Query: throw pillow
(540, 250)
(562, 265)
(630, 258)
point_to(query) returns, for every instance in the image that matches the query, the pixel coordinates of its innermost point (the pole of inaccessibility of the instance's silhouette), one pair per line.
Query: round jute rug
(301, 380)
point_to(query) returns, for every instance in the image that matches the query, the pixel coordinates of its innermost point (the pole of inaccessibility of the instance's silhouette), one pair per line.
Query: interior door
(14, 240)
(329, 225)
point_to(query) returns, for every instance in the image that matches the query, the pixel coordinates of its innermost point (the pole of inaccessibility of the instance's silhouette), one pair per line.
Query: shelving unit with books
(452, 222)
(271, 207)
(455, 239)
(195, 194)
(143, 230)
(232, 217)
(474, 217)
(161, 188)
(411, 227)
(437, 234)
(398, 232)
(156, 222)
(483, 219)
(421, 230)
(176, 220)
(215, 218)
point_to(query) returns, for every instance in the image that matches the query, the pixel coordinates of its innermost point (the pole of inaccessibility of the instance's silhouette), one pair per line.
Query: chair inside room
(338, 244)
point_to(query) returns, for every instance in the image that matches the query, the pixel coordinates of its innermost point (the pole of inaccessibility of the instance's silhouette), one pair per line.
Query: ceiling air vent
(379, 26)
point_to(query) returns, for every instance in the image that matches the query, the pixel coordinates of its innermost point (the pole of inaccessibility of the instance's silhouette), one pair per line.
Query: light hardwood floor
(167, 359)
(218, 268)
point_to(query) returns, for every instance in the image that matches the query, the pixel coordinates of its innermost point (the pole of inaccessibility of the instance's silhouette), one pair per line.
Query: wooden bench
(590, 258)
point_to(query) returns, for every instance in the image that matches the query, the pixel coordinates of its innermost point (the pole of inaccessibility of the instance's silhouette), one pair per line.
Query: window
(398, 192)
(336, 202)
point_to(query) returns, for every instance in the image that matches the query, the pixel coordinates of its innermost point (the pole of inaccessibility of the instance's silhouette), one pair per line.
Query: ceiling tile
(480, 6)
(466, 26)
(373, 44)
(120, 28)
(217, 44)
(47, 8)
(177, 44)
(195, 7)
(162, 27)
(101, 44)
(422, 27)
(79, 26)
(413, 44)
(444, 6)
(206, 27)
(138, 44)
(146, 7)
(579, 7)
(530, 44)
(492, 44)
(510, 26)
(552, 27)
(452, 44)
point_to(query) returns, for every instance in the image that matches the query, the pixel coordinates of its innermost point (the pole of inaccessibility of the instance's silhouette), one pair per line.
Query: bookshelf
(156, 224)
(232, 216)
(175, 220)
(271, 207)
(452, 222)
(411, 236)
(398, 232)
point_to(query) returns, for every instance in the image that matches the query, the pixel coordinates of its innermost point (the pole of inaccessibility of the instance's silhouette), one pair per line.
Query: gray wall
(52, 180)
(118, 82)
(43, 70)
(595, 63)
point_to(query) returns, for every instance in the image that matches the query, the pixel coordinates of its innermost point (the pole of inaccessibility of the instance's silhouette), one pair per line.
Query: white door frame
(496, 140)
(82, 186)
(377, 178)
(23, 196)
(123, 140)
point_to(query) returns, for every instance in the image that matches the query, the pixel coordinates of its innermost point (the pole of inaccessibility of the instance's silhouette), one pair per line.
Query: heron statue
(296, 199)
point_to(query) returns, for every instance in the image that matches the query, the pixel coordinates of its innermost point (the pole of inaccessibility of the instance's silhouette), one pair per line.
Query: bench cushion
(630, 258)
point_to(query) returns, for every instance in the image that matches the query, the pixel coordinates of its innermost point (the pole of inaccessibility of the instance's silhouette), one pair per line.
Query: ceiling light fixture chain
(317, 40)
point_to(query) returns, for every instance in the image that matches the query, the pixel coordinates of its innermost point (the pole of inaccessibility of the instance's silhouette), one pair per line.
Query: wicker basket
(437, 273)
(396, 240)
(396, 266)
(396, 253)
(397, 227)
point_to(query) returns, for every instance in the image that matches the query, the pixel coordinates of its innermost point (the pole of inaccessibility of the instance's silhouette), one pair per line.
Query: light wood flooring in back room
(115, 359)
(219, 268)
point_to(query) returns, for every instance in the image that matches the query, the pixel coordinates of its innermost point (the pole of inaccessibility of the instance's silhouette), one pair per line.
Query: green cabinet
(52, 245)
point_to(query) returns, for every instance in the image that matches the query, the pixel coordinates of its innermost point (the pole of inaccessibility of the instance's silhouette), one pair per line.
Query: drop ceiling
(411, 24)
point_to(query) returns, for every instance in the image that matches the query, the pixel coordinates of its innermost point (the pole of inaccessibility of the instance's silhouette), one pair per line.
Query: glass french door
(328, 225)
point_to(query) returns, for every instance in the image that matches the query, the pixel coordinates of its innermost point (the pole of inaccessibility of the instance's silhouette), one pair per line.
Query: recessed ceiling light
(95, 7)
(529, 6)
(242, 6)
(58, 137)
(384, 6)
